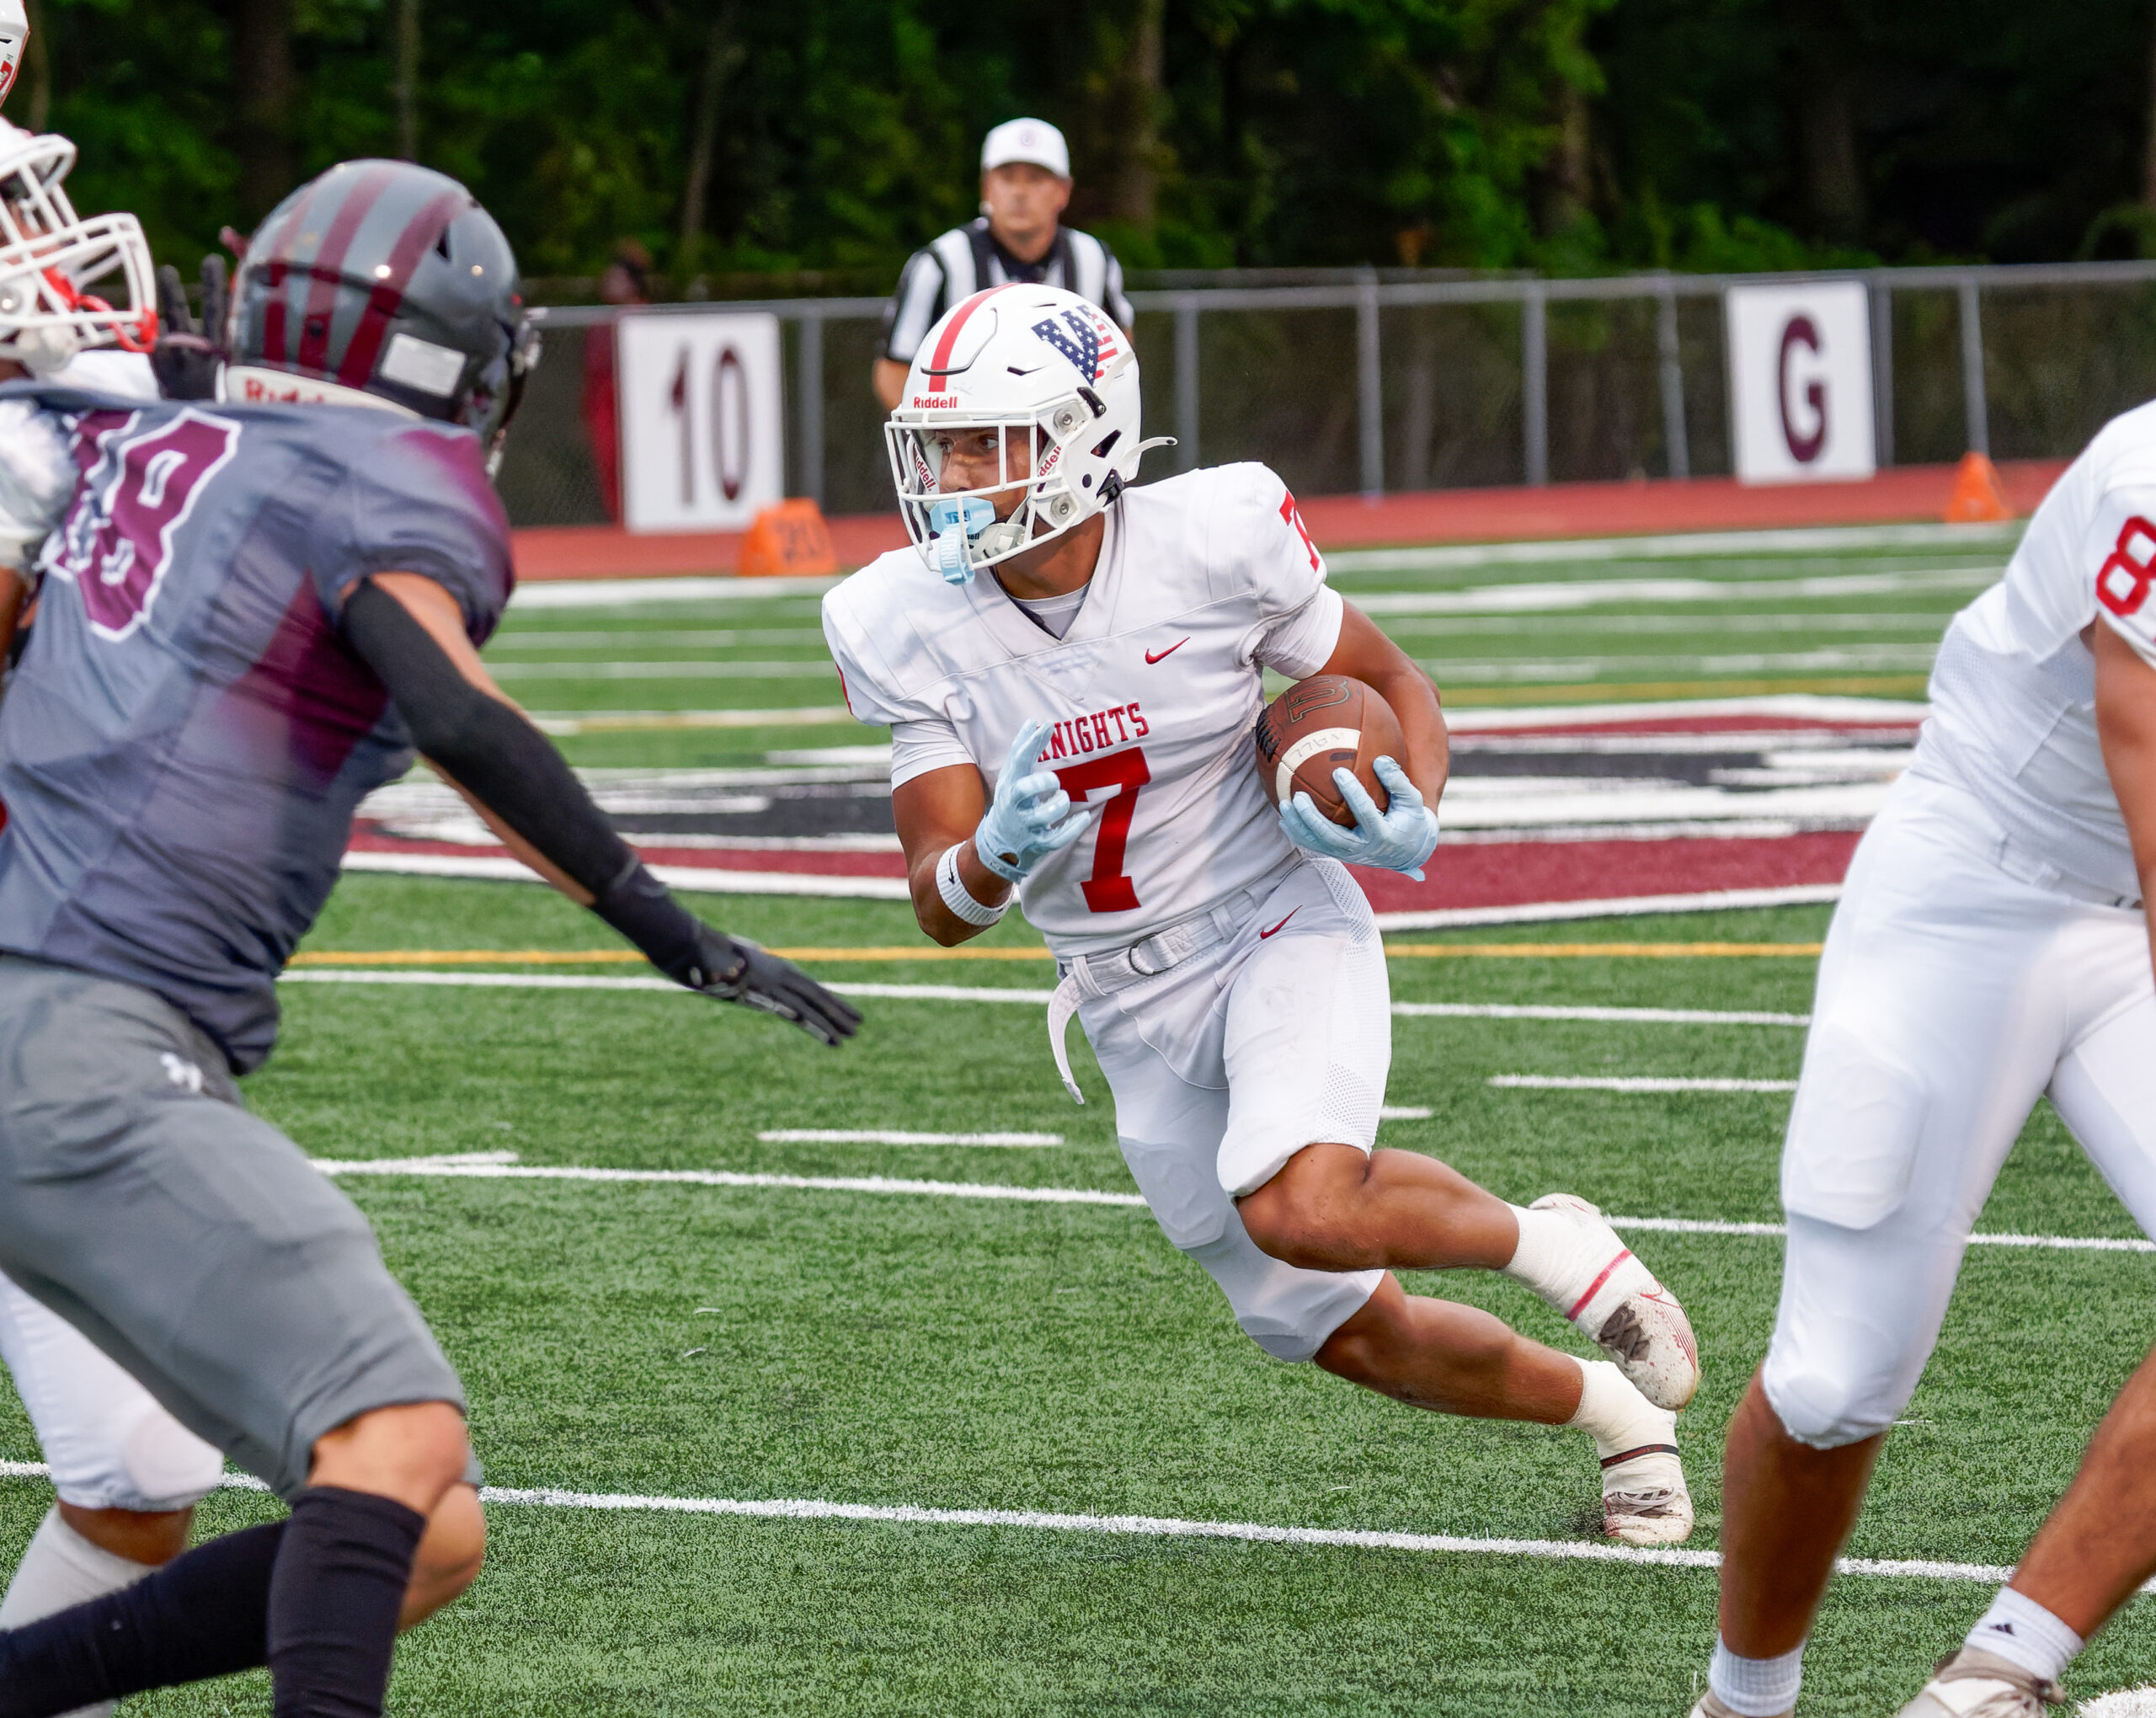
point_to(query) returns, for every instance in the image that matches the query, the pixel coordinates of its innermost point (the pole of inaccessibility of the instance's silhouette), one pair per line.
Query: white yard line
(707, 668)
(1799, 707)
(585, 981)
(1582, 1082)
(1803, 539)
(502, 1165)
(695, 878)
(973, 993)
(1571, 670)
(574, 722)
(2046, 1243)
(891, 1136)
(1620, 907)
(1133, 1526)
(1576, 594)
(1639, 1017)
(633, 593)
(452, 1169)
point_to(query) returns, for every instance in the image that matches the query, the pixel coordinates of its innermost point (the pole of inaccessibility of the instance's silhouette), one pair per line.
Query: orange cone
(1977, 498)
(788, 537)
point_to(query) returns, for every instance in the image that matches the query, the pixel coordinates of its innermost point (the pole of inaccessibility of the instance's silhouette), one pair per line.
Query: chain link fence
(1351, 382)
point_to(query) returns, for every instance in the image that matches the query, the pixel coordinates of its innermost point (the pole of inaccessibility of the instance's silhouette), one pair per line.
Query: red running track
(1463, 875)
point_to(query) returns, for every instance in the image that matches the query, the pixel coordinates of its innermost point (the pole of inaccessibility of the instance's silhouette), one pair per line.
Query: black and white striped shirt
(968, 258)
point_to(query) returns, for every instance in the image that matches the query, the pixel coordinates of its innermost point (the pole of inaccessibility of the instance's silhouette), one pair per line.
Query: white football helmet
(14, 32)
(1052, 371)
(50, 258)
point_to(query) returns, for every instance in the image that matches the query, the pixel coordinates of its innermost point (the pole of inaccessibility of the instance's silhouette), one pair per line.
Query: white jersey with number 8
(1204, 581)
(2014, 693)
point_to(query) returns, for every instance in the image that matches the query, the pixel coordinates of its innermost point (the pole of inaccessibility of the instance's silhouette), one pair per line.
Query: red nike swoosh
(1262, 934)
(1151, 658)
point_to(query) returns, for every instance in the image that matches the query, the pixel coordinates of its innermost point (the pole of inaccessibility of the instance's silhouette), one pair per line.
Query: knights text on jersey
(2013, 692)
(187, 737)
(1204, 581)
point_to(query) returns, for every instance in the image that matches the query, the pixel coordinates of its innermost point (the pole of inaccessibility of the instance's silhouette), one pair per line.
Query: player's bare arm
(2126, 725)
(1365, 653)
(937, 813)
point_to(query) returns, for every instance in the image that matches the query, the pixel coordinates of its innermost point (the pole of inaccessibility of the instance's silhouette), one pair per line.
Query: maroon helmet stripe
(387, 297)
(276, 336)
(329, 263)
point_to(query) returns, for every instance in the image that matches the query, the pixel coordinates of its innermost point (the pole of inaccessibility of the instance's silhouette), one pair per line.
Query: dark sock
(334, 1600)
(203, 1614)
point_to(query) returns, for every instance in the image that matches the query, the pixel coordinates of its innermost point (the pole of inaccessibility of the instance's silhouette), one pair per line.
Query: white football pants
(110, 1444)
(1229, 1063)
(1951, 996)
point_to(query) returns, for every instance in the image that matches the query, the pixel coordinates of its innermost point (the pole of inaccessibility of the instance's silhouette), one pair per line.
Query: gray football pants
(191, 1241)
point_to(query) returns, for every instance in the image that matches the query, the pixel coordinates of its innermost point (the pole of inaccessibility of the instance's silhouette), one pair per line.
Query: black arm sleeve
(491, 751)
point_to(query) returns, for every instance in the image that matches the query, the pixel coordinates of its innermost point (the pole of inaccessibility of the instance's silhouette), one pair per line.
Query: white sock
(1756, 1688)
(2022, 1632)
(59, 1569)
(1613, 1412)
(1546, 1241)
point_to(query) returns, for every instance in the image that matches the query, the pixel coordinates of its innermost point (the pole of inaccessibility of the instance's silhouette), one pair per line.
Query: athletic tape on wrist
(956, 895)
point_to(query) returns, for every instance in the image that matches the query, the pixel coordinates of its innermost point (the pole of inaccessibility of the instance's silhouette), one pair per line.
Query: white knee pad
(1823, 1410)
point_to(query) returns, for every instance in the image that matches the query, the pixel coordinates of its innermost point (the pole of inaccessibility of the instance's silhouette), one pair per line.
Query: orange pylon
(1978, 499)
(789, 536)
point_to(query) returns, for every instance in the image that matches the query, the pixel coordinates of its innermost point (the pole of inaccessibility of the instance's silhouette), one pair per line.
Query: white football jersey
(37, 475)
(1153, 693)
(2013, 692)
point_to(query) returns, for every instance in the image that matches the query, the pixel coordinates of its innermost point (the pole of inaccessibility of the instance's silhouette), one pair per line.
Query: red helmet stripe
(387, 297)
(328, 264)
(941, 355)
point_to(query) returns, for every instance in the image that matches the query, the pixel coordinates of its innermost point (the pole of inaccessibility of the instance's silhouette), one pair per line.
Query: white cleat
(1615, 1301)
(1645, 1500)
(1973, 1685)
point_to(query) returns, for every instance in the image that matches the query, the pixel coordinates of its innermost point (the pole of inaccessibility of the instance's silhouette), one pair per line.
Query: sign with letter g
(1800, 382)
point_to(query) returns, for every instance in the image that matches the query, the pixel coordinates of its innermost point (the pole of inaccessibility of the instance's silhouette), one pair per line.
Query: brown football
(1321, 724)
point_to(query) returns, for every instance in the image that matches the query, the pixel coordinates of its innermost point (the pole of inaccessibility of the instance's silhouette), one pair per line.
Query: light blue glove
(957, 520)
(1030, 816)
(1399, 838)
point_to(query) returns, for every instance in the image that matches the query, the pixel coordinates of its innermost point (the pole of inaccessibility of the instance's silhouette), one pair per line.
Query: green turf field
(684, 1341)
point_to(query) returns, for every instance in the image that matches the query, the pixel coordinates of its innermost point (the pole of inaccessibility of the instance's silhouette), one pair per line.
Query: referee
(1025, 183)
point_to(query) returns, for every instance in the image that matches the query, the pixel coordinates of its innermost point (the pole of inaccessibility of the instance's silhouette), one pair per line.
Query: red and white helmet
(1046, 367)
(65, 282)
(14, 32)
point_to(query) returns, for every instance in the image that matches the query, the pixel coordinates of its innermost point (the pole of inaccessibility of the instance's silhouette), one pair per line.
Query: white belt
(2024, 864)
(1087, 976)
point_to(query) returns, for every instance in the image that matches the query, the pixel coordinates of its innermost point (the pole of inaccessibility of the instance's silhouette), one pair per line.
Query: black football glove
(184, 362)
(711, 963)
(741, 971)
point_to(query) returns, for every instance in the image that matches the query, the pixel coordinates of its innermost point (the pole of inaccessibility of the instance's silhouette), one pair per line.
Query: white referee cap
(1035, 141)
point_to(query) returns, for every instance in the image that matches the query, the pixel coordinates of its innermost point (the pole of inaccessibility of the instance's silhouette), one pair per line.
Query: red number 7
(1107, 890)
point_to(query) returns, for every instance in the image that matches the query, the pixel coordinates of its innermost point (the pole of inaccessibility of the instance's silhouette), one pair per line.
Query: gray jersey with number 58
(188, 736)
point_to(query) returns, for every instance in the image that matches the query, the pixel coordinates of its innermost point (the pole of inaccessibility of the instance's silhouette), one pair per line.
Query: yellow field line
(1606, 951)
(1399, 951)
